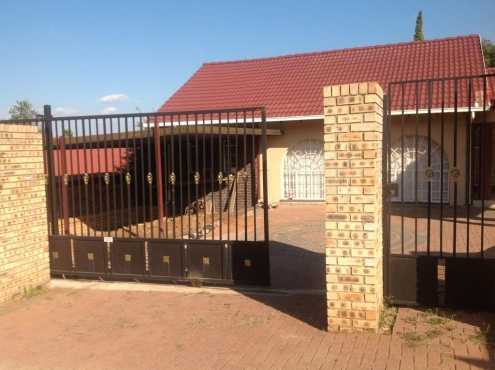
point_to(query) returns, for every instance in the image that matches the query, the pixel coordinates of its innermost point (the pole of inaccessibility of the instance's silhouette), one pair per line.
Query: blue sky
(70, 53)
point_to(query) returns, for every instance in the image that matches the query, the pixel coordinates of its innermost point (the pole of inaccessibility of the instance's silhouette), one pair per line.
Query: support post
(353, 130)
(52, 194)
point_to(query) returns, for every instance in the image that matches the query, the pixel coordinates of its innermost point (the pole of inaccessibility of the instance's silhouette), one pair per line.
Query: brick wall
(353, 187)
(23, 226)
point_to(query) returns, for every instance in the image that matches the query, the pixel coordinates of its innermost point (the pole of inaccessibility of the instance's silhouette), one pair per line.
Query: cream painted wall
(295, 132)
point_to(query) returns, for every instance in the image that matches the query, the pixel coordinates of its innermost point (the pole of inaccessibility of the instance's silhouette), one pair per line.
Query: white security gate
(415, 161)
(304, 172)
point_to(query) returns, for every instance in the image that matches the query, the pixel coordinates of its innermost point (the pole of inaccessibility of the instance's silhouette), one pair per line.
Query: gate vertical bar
(402, 102)
(254, 178)
(454, 241)
(197, 179)
(150, 179)
(265, 179)
(483, 165)
(172, 173)
(76, 173)
(385, 192)
(212, 177)
(62, 179)
(47, 121)
(236, 179)
(122, 150)
(468, 165)
(416, 137)
(442, 144)
(159, 177)
(220, 174)
(428, 232)
(188, 176)
(111, 168)
(166, 187)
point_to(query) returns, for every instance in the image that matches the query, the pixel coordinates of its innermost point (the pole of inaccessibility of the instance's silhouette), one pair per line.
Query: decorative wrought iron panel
(304, 172)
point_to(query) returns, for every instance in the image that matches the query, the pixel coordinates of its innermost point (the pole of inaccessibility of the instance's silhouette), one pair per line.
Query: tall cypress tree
(418, 32)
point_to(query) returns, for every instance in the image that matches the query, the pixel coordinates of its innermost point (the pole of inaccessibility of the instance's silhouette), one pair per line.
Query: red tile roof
(292, 85)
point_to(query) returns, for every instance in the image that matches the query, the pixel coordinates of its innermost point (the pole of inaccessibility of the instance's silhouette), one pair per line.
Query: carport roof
(291, 86)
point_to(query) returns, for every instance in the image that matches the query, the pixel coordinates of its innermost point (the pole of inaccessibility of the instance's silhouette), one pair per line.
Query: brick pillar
(353, 186)
(23, 225)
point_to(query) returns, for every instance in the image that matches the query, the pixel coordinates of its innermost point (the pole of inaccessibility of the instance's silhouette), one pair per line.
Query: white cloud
(64, 111)
(113, 98)
(109, 110)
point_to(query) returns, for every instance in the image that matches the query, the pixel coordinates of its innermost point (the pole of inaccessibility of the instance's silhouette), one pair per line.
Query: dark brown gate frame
(456, 277)
(213, 260)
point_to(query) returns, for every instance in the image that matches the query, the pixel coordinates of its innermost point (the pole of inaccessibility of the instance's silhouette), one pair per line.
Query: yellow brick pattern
(353, 187)
(23, 226)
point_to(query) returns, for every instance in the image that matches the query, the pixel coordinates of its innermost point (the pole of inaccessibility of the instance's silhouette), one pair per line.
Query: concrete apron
(173, 288)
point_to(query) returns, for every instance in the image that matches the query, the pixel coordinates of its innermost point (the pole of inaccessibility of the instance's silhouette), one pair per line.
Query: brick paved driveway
(409, 225)
(297, 248)
(138, 326)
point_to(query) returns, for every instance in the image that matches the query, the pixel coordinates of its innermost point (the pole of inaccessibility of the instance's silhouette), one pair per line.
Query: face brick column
(23, 224)
(353, 187)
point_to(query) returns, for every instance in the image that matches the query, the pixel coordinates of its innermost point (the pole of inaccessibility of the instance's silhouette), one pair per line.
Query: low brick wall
(23, 224)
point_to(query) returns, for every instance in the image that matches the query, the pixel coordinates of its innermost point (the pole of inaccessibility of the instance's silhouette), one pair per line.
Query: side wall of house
(23, 224)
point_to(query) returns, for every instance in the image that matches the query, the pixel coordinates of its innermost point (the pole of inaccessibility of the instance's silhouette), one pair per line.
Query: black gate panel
(128, 257)
(403, 279)
(437, 187)
(159, 196)
(250, 263)
(470, 283)
(90, 256)
(427, 270)
(205, 260)
(166, 258)
(60, 254)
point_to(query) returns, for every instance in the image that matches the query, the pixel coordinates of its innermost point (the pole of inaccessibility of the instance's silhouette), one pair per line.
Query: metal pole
(385, 192)
(265, 180)
(52, 200)
(159, 177)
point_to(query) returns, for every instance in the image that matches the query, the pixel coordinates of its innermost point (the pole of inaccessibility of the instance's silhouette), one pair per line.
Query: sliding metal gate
(176, 196)
(439, 226)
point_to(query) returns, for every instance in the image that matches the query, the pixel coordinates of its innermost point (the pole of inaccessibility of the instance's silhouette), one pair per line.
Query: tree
(22, 109)
(489, 52)
(418, 32)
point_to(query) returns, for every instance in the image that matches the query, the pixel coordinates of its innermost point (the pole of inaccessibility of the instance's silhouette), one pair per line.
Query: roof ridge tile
(335, 51)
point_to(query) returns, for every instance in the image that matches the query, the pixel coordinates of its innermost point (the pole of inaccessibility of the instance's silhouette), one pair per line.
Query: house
(291, 89)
